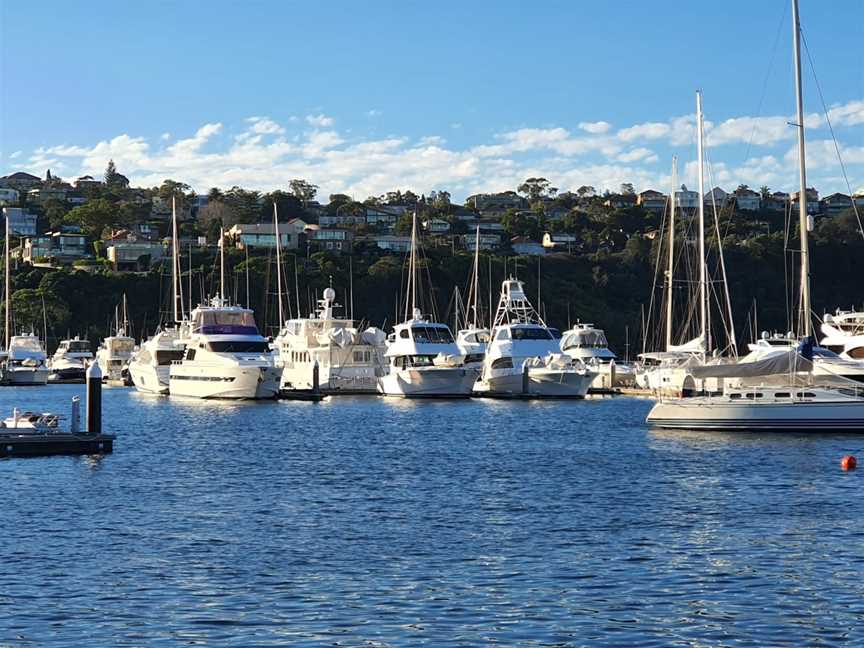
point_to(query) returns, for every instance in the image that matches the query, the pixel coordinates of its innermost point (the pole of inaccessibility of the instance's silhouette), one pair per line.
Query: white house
(685, 199)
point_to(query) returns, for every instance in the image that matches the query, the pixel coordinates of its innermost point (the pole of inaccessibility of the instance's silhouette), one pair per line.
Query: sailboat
(150, 366)
(25, 358)
(116, 351)
(423, 358)
(524, 358)
(777, 392)
(472, 339)
(225, 356)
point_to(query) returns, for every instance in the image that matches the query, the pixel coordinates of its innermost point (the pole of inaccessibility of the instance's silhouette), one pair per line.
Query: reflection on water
(366, 521)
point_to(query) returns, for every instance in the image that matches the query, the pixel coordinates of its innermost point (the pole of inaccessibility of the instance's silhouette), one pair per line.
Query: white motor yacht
(69, 362)
(26, 361)
(150, 365)
(114, 356)
(472, 343)
(523, 356)
(349, 360)
(424, 361)
(587, 343)
(225, 357)
(844, 334)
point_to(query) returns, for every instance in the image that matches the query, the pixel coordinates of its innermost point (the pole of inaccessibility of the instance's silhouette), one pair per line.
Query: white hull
(340, 379)
(624, 376)
(428, 382)
(243, 382)
(703, 414)
(29, 376)
(150, 379)
(543, 383)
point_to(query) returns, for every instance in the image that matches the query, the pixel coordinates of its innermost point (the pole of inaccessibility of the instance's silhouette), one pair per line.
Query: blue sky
(366, 97)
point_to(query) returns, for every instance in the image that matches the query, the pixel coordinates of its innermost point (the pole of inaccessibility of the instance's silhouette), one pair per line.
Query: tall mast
(125, 316)
(802, 173)
(8, 284)
(278, 263)
(703, 270)
(671, 269)
(476, 287)
(412, 265)
(222, 264)
(175, 259)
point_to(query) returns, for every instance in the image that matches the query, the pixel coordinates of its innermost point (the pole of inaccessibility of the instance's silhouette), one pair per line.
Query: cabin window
(503, 363)
(238, 346)
(431, 335)
(735, 396)
(190, 354)
(403, 334)
(167, 357)
(782, 395)
(474, 357)
(503, 334)
(530, 333)
(857, 353)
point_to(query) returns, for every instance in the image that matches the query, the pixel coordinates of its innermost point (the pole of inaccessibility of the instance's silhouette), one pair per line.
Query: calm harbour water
(372, 522)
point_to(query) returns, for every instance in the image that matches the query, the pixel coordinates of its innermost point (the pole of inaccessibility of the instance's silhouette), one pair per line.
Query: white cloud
(264, 126)
(595, 128)
(14, 155)
(373, 113)
(165, 137)
(634, 155)
(319, 121)
(648, 131)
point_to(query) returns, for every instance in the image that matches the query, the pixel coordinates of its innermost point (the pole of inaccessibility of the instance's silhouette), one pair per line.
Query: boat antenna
(803, 222)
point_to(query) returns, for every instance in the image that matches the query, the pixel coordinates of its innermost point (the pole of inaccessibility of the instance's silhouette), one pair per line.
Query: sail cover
(778, 363)
(696, 345)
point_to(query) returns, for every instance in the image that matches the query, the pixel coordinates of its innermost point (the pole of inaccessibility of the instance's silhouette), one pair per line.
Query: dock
(43, 445)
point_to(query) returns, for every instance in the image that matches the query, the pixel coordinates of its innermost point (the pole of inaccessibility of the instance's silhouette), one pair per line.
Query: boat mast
(222, 264)
(175, 259)
(703, 270)
(671, 267)
(7, 283)
(278, 263)
(412, 265)
(476, 287)
(803, 224)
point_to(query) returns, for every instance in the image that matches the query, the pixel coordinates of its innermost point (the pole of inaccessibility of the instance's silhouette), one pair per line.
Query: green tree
(27, 309)
(536, 188)
(403, 225)
(304, 191)
(93, 217)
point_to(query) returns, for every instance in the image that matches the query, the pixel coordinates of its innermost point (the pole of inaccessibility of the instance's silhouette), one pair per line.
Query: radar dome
(329, 294)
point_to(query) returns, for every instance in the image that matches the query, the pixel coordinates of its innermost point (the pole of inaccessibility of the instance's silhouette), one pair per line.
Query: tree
(215, 211)
(440, 199)
(179, 190)
(93, 217)
(765, 192)
(517, 223)
(404, 224)
(742, 188)
(27, 307)
(586, 191)
(304, 191)
(536, 188)
(110, 174)
(627, 189)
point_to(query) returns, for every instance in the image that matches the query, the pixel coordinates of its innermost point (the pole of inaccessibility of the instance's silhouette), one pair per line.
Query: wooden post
(94, 399)
(315, 379)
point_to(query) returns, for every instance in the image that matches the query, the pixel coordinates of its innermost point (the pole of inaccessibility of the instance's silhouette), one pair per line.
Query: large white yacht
(225, 356)
(587, 343)
(26, 361)
(69, 362)
(114, 356)
(524, 357)
(424, 361)
(349, 360)
(150, 366)
(844, 334)
(422, 357)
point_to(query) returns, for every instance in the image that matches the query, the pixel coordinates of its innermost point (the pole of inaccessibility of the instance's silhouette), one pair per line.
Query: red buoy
(849, 462)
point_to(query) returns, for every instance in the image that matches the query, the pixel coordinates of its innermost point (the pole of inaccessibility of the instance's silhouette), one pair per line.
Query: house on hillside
(685, 199)
(9, 196)
(41, 195)
(134, 255)
(436, 226)
(88, 182)
(747, 199)
(620, 201)
(56, 248)
(776, 202)
(559, 241)
(523, 245)
(21, 181)
(263, 235)
(392, 243)
(653, 201)
(21, 222)
(812, 200)
(835, 204)
(717, 196)
(496, 202)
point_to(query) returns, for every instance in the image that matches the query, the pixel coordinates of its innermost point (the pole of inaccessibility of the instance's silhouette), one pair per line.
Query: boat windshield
(234, 321)
(431, 335)
(239, 346)
(530, 333)
(123, 345)
(25, 343)
(78, 346)
(586, 340)
(164, 357)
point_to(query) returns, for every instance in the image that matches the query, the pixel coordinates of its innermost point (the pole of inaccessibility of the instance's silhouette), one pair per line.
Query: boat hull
(150, 379)
(540, 384)
(428, 382)
(67, 375)
(26, 376)
(698, 414)
(340, 381)
(241, 383)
